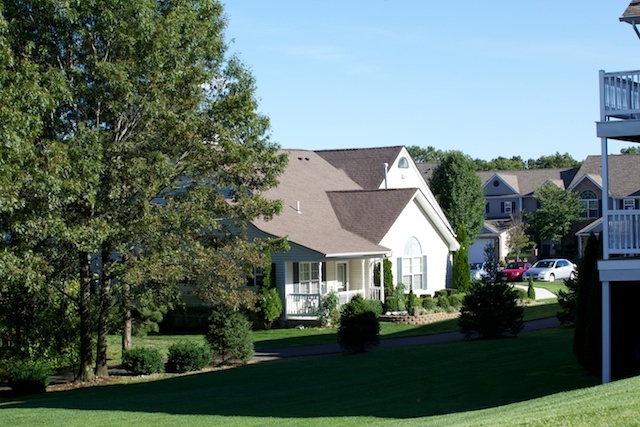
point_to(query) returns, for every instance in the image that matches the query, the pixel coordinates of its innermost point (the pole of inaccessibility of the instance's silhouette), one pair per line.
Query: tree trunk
(86, 355)
(102, 369)
(126, 330)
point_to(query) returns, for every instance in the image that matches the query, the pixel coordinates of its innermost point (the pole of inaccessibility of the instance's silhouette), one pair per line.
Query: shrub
(490, 311)
(531, 292)
(428, 303)
(443, 302)
(375, 306)
(142, 361)
(456, 299)
(359, 327)
(269, 306)
(393, 304)
(187, 356)
(412, 301)
(520, 294)
(330, 313)
(229, 336)
(26, 376)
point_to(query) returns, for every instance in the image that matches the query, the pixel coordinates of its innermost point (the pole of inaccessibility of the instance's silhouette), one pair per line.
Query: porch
(623, 232)
(619, 106)
(307, 306)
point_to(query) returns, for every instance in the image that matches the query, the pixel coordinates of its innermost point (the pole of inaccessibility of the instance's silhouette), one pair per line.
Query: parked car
(513, 271)
(478, 270)
(551, 269)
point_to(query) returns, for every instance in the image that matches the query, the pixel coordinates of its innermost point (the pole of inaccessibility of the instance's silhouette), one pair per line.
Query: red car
(513, 271)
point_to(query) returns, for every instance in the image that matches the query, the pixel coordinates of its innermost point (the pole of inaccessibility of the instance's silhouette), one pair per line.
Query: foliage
(491, 264)
(557, 210)
(531, 292)
(330, 313)
(375, 306)
(461, 269)
(518, 240)
(587, 341)
(25, 376)
(412, 301)
(147, 319)
(553, 161)
(521, 294)
(229, 335)
(630, 150)
(456, 300)
(142, 361)
(567, 302)
(359, 327)
(392, 303)
(459, 192)
(425, 155)
(443, 302)
(186, 356)
(428, 302)
(387, 271)
(500, 163)
(270, 306)
(124, 156)
(490, 311)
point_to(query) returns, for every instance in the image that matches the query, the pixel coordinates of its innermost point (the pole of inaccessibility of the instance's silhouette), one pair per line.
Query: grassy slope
(501, 382)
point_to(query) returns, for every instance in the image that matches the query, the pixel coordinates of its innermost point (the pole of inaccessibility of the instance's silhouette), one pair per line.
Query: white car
(549, 270)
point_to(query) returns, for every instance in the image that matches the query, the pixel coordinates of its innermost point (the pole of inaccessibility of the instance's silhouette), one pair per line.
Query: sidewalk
(327, 349)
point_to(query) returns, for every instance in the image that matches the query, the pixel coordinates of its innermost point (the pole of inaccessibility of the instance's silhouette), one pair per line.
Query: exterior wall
(501, 189)
(496, 207)
(413, 223)
(476, 249)
(409, 177)
(529, 204)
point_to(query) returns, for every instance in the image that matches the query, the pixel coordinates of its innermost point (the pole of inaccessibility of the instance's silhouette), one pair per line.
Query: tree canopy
(459, 192)
(135, 155)
(557, 210)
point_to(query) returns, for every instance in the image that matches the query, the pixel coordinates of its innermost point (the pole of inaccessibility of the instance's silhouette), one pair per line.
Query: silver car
(549, 270)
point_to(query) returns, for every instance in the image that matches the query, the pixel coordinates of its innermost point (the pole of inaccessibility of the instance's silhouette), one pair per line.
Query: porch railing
(624, 232)
(345, 296)
(620, 93)
(303, 305)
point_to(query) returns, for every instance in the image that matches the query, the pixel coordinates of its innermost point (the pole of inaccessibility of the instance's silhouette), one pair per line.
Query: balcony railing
(620, 94)
(624, 232)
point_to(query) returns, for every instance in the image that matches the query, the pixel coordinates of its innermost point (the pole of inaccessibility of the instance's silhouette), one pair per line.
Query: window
(403, 163)
(412, 272)
(628, 204)
(507, 207)
(496, 183)
(590, 204)
(309, 277)
(257, 279)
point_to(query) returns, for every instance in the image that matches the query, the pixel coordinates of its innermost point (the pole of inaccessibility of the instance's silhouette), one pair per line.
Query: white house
(344, 212)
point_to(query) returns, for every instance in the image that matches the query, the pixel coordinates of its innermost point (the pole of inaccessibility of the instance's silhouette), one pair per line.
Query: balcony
(619, 106)
(623, 228)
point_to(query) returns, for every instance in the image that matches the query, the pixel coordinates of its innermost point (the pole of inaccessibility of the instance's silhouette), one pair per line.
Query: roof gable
(531, 179)
(509, 180)
(624, 173)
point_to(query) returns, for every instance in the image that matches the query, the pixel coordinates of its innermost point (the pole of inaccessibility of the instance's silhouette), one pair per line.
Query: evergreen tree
(461, 268)
(490, 311)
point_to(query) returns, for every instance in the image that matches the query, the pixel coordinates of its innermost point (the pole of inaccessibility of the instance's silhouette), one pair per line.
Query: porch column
(605, 198)
(382, 279)
(606, 332)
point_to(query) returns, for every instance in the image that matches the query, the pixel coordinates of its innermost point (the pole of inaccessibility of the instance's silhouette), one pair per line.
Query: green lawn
(529, 380)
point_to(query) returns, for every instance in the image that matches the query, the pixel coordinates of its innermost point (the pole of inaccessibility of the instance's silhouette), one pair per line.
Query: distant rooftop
(632, 14)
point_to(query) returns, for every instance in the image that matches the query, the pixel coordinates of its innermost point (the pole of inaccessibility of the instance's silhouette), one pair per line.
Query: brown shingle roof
(633, 11)
(530, 179)
(308, 179)
(370, 213)
(624, 173)
(365, 166)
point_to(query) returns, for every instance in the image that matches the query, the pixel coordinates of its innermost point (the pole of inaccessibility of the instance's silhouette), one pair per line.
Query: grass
(529, 380)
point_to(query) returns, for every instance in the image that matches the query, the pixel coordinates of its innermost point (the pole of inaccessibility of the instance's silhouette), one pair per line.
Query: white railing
(345, 296)
(624, 232)
(620, 94)
(375, 293)
(303, 305)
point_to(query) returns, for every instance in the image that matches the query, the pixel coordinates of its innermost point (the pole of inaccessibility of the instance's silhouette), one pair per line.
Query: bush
(375, 306)
(26, 376)
(187, 356)
(456, 299)
(330, 314)
(443, 302)
(359, 327)
(520, 294)
(269, 306)
(428, 303)
(412, 301)
(392, 303)
(490, 311)
(142, 361)
(531, 292)
(229, 336)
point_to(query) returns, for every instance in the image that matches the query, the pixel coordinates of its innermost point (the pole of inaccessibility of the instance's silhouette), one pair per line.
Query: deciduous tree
(557, 210)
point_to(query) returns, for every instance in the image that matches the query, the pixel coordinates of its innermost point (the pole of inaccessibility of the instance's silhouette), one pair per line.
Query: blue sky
(490, 78)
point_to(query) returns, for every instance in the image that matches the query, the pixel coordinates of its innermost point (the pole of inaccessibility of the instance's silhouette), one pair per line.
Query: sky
(489, 78)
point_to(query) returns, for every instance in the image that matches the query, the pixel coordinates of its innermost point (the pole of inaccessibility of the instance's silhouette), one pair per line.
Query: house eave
(619, 270)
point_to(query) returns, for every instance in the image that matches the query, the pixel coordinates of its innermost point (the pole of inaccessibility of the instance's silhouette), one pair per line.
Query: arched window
(403, 163)
(590, 204)
(412, 265)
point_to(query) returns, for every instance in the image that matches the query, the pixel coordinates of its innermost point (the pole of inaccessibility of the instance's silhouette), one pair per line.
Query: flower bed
(422, 319)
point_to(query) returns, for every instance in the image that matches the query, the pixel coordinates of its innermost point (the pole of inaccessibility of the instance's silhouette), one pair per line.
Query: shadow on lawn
(392, 383)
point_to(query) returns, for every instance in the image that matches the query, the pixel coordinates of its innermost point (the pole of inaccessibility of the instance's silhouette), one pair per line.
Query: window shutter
(273, 275)
(424, 272)
(296, 277)
(324, 272)
(621, 204)
(502, 207)
(399, 278)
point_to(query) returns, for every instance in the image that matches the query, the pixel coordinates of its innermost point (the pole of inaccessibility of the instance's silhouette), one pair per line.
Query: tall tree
(461, 268)
(518, 240)
(425, 155)
(459, 192)
(556, 160)
(630, 150)
(166, 152)
(557, 210)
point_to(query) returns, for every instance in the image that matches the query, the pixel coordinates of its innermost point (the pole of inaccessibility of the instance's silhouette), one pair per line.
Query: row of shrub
(444, 300)
(183, 357)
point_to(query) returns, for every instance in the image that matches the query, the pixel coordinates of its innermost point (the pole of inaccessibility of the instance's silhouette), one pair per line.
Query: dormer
(501, 185)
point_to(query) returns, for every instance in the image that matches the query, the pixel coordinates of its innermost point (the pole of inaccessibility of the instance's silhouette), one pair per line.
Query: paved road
(326, 349)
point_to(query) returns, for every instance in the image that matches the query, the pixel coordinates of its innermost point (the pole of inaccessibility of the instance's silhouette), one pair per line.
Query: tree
(387, 272)
(587, 339)
(491, 262)
(359, 326)
(425, 155)
(490, 310)
(630, 150)
(518, 240)
(461, 268)
(557, 210)
(230, 335)
(459, 193)
(269, 303)
(161, 149)
(556, 160)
